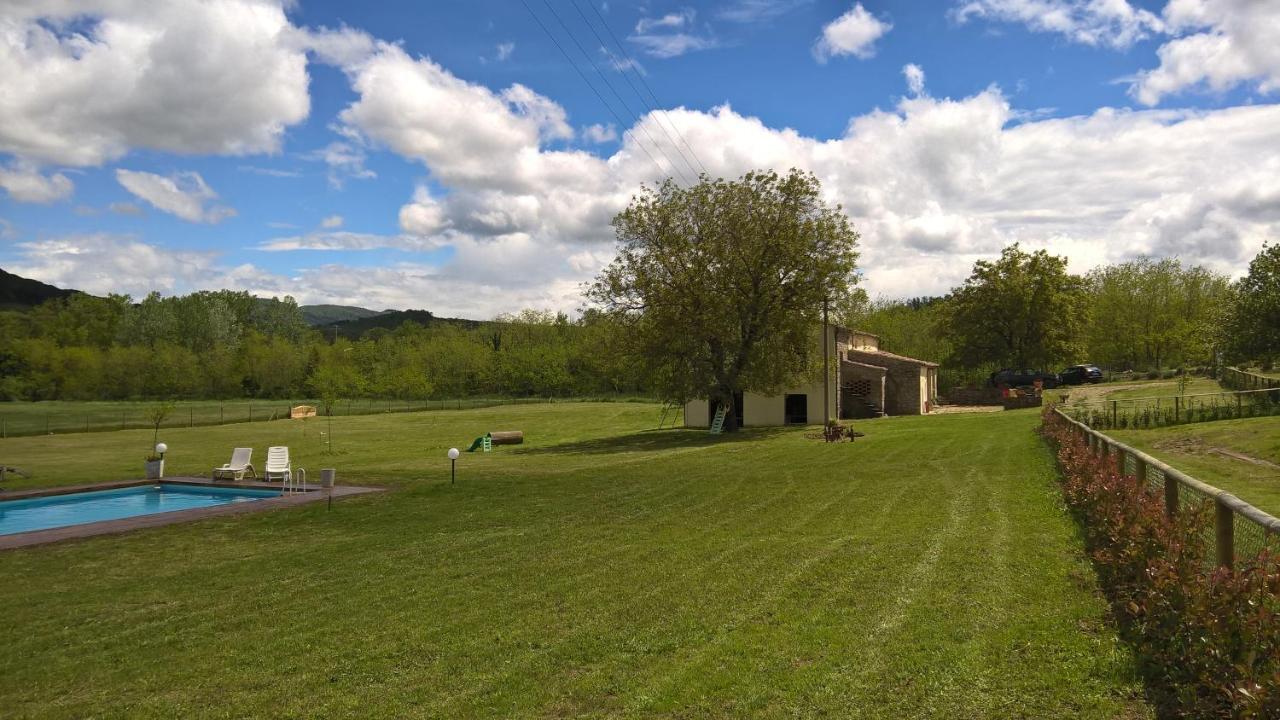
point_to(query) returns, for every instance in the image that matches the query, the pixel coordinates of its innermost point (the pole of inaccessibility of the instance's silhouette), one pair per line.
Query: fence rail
(1157, 411)
(1237, 524)
(31, 419)
(1237, 379)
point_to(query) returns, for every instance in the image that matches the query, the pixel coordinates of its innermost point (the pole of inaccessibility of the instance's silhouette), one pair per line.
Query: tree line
(227, 344)
(1024, 310)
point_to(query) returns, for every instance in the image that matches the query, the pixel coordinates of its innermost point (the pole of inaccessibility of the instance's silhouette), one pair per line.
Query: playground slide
(475, 445)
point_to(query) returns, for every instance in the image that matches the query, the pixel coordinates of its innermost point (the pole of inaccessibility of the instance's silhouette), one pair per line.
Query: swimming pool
(55, 511)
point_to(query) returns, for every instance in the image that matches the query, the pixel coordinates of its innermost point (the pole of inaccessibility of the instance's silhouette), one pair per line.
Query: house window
(861, 388)
(796, 410)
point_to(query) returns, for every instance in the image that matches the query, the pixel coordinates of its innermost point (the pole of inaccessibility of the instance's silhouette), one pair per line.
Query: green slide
(476, 444)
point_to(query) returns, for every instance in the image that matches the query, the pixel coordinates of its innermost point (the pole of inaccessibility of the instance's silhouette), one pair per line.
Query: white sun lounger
(238, 466)
(278, 468)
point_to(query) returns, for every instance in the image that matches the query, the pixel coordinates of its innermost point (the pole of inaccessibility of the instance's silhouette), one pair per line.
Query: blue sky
(447, 155)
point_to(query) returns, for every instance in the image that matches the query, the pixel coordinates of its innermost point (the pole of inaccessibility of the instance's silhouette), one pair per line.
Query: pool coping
(111, 527)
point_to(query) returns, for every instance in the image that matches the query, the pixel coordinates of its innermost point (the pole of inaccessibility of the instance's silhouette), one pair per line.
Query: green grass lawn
(60, 417)
(1166, 389)
(601, 570)
(1211, 452)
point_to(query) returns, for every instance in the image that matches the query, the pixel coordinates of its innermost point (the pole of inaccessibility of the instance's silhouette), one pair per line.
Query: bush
(1207, 639)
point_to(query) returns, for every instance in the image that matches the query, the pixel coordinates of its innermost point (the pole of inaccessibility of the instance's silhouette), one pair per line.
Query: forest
(1145, 316)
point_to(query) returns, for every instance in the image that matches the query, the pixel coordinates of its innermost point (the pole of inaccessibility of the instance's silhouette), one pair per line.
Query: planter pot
(155, 469)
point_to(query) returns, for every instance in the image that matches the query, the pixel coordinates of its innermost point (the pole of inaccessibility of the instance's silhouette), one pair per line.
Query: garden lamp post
(161, 449)
(453, 465)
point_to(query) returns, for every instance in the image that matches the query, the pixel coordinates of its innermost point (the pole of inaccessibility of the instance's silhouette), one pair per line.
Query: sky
(467, 157)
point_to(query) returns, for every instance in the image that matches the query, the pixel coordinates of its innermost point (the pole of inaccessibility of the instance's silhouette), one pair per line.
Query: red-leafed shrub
(1207, 639)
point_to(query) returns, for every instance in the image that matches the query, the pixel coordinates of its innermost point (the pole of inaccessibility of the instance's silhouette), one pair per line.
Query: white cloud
(504, 50)
(25, 183)
(332, 221)
(853, 33)
(1212, 45)
(103, 263)
(86, 80)
(1113, 23)
(670, 21)
(1222, 44)
(345, 161)
(932, 184)
(184, 194)
(600, 133)
(671, 35)
(914, 75)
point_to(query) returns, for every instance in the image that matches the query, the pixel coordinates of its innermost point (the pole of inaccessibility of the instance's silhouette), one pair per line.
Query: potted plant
(154, 465)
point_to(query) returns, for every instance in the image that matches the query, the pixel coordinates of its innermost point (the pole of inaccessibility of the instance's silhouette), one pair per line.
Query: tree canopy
(722, 284)
(1252, 327)
(1022, 310)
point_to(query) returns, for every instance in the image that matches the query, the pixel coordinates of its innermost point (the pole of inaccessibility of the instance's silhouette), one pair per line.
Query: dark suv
(1022, 378)
(1081, 374)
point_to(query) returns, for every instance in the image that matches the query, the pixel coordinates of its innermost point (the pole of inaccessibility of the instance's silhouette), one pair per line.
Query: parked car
(1022, 378)
(1081, 374)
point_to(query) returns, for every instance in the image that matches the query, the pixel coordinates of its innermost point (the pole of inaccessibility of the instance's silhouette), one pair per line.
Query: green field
(601, 570)
(1239, 456)
(1165, 389)
(59, 417)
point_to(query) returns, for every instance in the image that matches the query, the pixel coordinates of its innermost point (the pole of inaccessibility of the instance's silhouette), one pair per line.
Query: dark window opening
(796, 410)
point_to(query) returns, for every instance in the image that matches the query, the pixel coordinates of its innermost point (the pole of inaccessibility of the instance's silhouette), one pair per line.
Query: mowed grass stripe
(601, 570)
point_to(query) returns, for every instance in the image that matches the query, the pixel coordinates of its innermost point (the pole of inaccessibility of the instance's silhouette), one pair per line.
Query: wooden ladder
(717, 425)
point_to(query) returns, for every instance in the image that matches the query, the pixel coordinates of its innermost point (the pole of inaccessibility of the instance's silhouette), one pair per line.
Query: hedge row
(1103, 418)
(1207, 638)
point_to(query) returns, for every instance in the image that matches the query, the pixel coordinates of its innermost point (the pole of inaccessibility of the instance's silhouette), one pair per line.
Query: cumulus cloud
(1222, 44)
(1206, 44)
(332, 221)
(853, 33)
(86, 80)
(932, 184)
(25, 183)
(600, 133)
(183, 194)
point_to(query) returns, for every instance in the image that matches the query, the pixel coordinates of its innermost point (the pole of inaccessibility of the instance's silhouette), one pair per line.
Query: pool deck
(108, 527)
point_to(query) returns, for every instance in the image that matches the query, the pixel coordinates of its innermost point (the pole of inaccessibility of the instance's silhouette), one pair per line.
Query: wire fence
(1239, 530)
(1159, 411)
(58, 418)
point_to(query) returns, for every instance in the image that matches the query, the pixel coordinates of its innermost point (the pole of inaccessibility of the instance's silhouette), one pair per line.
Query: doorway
(796, 410)
(737, 410)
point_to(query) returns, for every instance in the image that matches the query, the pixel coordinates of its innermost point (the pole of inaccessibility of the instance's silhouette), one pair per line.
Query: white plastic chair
(238, 466)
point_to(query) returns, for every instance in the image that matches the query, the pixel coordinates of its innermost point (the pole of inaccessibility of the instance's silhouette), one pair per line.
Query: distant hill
(329, 314)
(389, 320)
(19, 293)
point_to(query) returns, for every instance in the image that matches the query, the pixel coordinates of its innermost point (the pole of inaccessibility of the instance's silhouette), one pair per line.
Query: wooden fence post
(1139, 468)
(1170, 495)
(1224, 530)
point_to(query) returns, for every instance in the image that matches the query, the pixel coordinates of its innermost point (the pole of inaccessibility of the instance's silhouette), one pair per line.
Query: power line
(582, 75)
(644, 103)
(674, 167)
(640, 76)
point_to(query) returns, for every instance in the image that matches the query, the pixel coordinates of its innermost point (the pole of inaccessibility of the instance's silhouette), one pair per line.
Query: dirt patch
(1197, 446)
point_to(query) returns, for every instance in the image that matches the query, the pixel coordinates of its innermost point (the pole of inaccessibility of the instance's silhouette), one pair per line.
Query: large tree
(1252, 327)
(1022, 310)
(722, 283)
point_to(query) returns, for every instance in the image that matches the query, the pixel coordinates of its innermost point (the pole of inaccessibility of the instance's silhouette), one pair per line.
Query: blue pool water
(42, 513)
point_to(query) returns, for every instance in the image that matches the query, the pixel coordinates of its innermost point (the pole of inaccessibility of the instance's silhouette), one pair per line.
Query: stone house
(867, 382)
